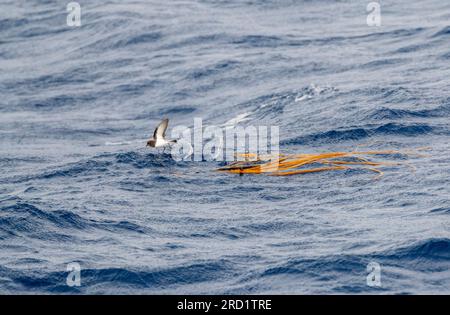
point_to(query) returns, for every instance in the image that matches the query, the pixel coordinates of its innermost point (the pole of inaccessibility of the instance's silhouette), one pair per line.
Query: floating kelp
(294, 164)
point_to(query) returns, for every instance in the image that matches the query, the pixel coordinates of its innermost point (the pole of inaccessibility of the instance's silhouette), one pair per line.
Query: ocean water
(78, 185)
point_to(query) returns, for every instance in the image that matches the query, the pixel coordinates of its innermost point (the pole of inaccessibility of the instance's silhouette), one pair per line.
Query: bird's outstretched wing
(160, 131)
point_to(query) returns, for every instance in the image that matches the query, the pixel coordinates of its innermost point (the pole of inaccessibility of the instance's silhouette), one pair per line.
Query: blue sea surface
(77, 183)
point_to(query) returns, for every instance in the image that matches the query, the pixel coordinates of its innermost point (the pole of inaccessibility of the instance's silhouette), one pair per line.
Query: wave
(431, 255)
(175, 110)
(148, 160)
(101, 164)
(413, 48)
(112, 279)
(429, 249)
(20, 218)
(274, 41)
(139, 39)
(77, 169)
(393, 113)
(269, 107)
(278, 41)
(9, 23)
(444, 32)
(59, 101)
(445, 56)
(312, 91)
(382, 63)
(391, 95)
(243, 232)
(363, 132)
(197, 40)
(212, 70)
(441, 210)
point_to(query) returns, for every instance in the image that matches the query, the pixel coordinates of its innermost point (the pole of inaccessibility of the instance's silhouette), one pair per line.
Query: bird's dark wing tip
(161, 128)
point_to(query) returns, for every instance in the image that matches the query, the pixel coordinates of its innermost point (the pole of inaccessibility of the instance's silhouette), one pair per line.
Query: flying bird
(159, 139)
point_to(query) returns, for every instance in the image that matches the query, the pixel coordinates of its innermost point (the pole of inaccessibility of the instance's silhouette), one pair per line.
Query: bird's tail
(173, 141)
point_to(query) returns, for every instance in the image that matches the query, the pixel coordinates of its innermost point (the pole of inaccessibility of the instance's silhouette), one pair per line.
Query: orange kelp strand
(293, 164)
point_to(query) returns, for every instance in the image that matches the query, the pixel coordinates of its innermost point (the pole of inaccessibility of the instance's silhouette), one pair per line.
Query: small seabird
(158, 139)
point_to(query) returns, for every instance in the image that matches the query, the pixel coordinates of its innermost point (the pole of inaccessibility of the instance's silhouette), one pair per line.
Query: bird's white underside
(161, 143)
